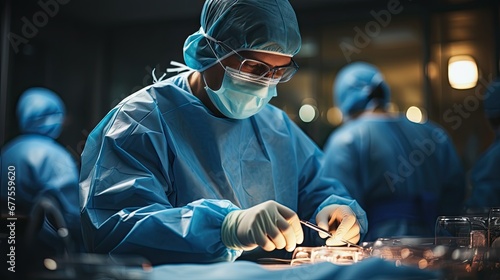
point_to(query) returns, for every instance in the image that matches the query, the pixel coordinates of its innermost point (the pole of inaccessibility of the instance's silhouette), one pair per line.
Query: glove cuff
(228, 230)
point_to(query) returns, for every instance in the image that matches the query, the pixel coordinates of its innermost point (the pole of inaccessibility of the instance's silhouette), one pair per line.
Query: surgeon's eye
(254, 67)
(280, 72)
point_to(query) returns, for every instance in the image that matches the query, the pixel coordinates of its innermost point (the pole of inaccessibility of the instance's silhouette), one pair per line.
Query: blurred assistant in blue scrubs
(199, 167)
(402, 173)
(35, 165)
(485, 175)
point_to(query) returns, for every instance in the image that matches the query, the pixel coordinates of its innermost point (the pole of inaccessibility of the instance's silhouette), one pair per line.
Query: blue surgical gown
(34, 164)
(160, 172)
(402, 173)
(41, 166)
(485, 178)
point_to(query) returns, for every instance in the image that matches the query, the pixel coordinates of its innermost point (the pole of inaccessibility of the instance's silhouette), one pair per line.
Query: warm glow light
(50, 264)
(414, 114)
(462, 72)
(334, 116)
(307, 113)
(423, 263)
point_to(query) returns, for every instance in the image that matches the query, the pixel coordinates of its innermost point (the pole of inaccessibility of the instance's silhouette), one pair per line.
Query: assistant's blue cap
(354, 85)
(40, 111)
(255, 25)
(491, 102)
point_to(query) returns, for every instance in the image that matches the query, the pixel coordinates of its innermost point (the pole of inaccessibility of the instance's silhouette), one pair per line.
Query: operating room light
(50, 264)
(307, 113)
(462, 72)
(334, 116)
(414, 114)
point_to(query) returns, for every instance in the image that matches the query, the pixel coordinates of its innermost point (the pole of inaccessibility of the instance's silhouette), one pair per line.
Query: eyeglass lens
(261, 69)
(255, 67)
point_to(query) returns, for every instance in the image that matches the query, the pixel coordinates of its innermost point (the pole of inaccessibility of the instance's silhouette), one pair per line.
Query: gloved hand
(341, 222)
(269, 225)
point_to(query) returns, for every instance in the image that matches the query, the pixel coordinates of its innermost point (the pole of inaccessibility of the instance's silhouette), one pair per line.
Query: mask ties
(155, 80)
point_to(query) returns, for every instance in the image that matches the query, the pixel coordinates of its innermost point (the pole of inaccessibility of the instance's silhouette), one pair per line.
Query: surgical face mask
(240, 95)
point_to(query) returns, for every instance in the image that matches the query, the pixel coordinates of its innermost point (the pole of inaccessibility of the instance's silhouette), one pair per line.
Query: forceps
(316, 228)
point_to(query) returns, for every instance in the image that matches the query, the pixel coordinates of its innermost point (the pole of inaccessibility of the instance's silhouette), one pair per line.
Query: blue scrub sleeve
(125, 187)
(162, 235)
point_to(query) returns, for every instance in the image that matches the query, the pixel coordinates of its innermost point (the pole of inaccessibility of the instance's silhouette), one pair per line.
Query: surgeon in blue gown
(199, 167)
(485, 175)
(35, 165)
(402, 173)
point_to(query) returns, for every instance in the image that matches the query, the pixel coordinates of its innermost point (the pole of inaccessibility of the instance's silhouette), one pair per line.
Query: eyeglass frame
(293, 65)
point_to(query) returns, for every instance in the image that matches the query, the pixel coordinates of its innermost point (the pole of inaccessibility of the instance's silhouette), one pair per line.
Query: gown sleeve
(124, 187)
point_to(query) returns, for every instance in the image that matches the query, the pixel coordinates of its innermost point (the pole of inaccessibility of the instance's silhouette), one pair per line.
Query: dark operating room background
(96, 52)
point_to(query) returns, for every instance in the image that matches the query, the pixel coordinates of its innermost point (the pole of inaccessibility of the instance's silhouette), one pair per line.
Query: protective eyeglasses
(259, 69)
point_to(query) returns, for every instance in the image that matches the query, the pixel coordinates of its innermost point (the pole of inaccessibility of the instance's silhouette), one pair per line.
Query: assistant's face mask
(240, 96)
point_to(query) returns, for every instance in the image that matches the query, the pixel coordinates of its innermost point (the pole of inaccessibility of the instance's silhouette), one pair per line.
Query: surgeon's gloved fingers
(265, 243)
(269, 225)
(345, 232)
(324, 225)
(352, 233)
(297, 230)
(292, 220)
(336, 241)
(323, 219)
(354, 239)
(288, 234)
(347, 222)
(321, 234)
(341, 242)
(337, 219)
(276, 235)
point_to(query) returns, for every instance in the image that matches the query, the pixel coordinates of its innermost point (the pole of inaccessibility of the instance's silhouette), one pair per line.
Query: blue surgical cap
(255, 25)
(40, 111)
(491, 101)
(354, 85)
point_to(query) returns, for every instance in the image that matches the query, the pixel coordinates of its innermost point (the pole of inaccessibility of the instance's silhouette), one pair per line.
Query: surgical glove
(269, 225)
(341, 222)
